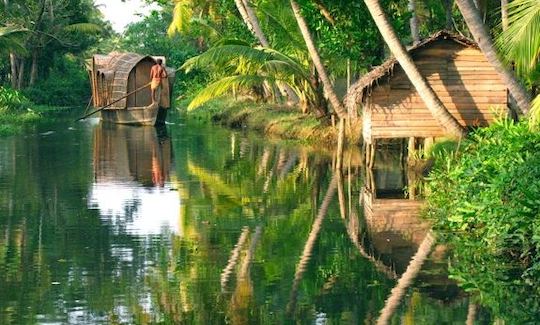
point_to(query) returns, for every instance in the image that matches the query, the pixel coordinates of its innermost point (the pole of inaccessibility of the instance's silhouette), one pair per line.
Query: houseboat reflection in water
(132, 189)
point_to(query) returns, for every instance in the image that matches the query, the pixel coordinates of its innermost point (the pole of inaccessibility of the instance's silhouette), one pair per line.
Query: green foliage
(12, 100)
(10, 40)
(15, 112)
(66, 85)
(47, 31)
(149, 37)
(246, 68)
(520, 43)
(484, 200)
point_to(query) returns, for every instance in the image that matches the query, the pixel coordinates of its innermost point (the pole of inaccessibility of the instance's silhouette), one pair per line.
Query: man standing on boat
(157, 73)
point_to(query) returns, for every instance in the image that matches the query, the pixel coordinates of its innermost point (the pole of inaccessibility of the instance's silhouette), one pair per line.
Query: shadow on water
(200, 225)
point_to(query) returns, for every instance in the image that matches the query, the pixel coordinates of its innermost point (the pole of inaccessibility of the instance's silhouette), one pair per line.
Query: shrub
(12, 100)
(485, 202)
(66, 85)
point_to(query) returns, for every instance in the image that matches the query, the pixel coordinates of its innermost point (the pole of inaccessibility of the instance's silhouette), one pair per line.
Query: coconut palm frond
(11, 31)
(87, 28)
(225, 85)
(222, 55)
(284, 69)
(11, 45)
(10, 39)
(287, 37)
(294, 65)
(210, 27)
(231, 41)
(520, 43)
(182, 16)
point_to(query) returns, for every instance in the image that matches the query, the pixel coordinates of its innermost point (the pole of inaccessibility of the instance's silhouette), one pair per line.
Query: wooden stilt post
(341, 140)
(428, 143)
(411, 147)
(372, 153)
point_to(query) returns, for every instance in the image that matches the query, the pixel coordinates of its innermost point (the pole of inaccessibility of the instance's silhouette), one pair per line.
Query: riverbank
(17, 113)
(278, 121)
(13, 122)
(483, 200)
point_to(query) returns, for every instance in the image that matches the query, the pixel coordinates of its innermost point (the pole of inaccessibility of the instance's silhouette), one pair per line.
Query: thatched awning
(357, 92)
(115, 67)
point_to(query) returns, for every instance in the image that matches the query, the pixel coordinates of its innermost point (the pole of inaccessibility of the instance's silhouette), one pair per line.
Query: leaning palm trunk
(413, 22)
(448, 12)
(316, 58)
(504, 14)
(252, 22)
(433, 103)
(481, 35)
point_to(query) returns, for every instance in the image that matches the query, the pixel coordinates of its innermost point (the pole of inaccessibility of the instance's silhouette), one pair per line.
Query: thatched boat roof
(363, 85)
(115, 68)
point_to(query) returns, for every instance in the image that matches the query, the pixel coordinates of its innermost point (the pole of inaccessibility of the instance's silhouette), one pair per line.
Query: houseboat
(119, 79)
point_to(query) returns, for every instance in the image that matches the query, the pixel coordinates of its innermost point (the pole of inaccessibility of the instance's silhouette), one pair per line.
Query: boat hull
(151, 115)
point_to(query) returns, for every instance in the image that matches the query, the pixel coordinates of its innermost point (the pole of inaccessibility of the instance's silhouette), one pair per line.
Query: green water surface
(195, 224)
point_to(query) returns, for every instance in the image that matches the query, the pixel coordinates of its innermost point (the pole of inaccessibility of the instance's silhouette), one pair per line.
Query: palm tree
(448, 4)
(252, 22)
(316, 58)
(413, 22)
(481, 35)
(504, 14)
(433, 103)
(246, 68)
(519, 43)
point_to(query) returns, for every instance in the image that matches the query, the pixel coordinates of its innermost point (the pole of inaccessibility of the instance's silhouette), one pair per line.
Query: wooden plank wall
(462, 78)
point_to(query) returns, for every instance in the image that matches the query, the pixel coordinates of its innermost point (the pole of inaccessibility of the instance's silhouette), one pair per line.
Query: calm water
(200, 225)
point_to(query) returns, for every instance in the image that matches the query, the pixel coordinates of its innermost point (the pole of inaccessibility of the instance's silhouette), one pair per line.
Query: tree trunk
(319, 102)
(482, 37)
(413, 22)
(325, 12)
(252, 23)
(14, 74)
(315, 57)
(33, 69)
(448, 4)
(433, 103)
(20, 78)
(504, 14)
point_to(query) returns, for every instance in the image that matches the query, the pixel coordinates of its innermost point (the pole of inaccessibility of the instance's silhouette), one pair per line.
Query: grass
(272, 120)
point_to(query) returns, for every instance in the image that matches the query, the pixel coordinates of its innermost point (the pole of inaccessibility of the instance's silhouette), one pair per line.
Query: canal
(196, 224)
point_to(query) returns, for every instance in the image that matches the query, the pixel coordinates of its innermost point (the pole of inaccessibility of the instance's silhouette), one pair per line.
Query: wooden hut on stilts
(120, 78)
(467, 84)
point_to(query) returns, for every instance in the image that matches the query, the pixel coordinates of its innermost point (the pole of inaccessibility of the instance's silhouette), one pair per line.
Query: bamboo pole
(113, 102)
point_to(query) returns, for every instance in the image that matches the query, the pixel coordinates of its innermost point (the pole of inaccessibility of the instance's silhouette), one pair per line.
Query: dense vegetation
(484, 200)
